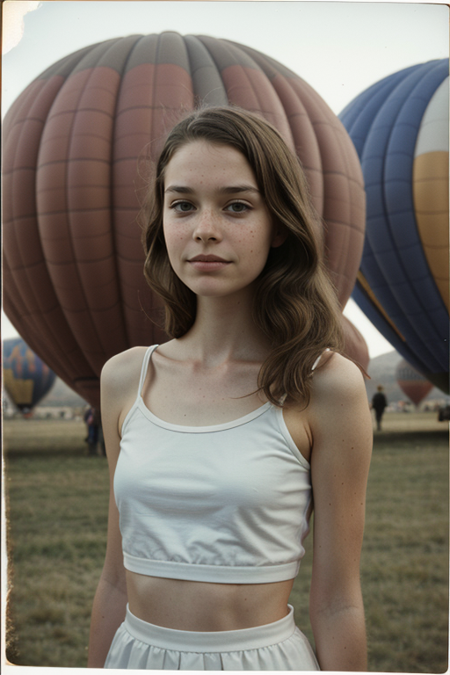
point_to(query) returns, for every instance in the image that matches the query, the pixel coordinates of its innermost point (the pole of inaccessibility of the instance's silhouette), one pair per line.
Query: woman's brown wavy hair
(295, 304)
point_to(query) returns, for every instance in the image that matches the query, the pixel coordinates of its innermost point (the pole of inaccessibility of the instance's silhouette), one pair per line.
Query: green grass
(57, 525)
(58, 515)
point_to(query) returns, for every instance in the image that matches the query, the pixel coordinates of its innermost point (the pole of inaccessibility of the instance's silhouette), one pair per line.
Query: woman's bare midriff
(204, 607)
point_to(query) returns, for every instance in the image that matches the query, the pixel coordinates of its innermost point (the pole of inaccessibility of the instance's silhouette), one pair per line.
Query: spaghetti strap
(318, 359)
(144, 367)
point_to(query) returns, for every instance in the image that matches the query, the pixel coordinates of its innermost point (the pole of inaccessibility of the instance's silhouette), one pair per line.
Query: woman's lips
(208, 263)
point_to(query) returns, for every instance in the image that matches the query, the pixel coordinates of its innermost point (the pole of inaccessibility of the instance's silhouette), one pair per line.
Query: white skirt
(275, 646)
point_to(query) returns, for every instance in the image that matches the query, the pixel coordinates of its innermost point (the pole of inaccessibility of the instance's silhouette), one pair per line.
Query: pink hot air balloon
(73, 279)
(412, 383)
(355, 345)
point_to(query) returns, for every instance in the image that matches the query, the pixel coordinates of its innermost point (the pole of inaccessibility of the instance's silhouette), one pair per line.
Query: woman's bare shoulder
(337, 379)
(122, 371)
(339, 414)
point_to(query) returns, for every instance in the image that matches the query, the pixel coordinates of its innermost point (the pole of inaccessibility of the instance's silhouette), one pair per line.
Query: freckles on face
(213, 207)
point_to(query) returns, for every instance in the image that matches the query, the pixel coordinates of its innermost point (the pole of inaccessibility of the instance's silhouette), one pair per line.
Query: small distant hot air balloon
(73, 260)
(26, 377)
(412, 383)
(400, 130)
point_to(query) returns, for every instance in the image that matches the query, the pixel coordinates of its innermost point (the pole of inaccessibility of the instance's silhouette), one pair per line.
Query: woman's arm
(119, 384)
(341, 427)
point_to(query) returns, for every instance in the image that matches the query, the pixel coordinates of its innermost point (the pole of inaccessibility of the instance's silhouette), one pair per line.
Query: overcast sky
(339, 48)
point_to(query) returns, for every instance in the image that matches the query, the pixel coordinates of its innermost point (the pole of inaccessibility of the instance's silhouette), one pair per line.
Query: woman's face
(217, 228)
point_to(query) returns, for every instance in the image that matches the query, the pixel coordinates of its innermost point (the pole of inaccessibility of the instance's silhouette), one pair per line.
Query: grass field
(57, 523)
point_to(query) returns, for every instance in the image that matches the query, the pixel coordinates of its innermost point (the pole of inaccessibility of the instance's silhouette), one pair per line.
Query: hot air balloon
(412, 383)
(355, 345)
(75, 143)
(26, 377)
(400, 130)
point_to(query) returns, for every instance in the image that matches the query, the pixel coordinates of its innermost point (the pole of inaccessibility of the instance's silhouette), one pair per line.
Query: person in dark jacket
(379, 403)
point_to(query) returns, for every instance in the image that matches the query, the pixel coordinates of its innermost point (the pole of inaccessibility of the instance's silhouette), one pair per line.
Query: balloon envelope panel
(26, 377)
(78, 145)
(400, 129)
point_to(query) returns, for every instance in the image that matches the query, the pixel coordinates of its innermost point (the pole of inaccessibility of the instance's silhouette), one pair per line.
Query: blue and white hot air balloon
(399, 127)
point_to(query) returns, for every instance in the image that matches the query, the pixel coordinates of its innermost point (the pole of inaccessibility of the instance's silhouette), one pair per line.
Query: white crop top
(228, 503)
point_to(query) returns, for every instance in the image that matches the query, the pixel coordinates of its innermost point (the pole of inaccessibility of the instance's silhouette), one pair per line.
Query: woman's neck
(223, 330)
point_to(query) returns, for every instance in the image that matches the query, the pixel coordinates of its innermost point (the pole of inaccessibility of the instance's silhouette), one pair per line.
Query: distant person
(379, 404)
(92, 420)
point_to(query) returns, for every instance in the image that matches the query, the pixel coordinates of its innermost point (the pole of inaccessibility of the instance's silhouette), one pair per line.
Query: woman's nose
(207, 227)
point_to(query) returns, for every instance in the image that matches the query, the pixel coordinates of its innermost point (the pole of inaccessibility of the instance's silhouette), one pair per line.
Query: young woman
(219, 439)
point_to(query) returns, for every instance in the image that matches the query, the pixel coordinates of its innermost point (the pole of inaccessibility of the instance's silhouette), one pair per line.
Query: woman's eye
(238, 207)
(182, 207)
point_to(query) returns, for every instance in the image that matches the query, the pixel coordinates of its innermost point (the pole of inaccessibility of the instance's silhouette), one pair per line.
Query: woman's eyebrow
(229, 189)
(179, 188)
(238, 188)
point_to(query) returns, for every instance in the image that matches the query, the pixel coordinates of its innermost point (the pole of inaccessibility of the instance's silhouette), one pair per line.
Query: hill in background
(62, 395)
